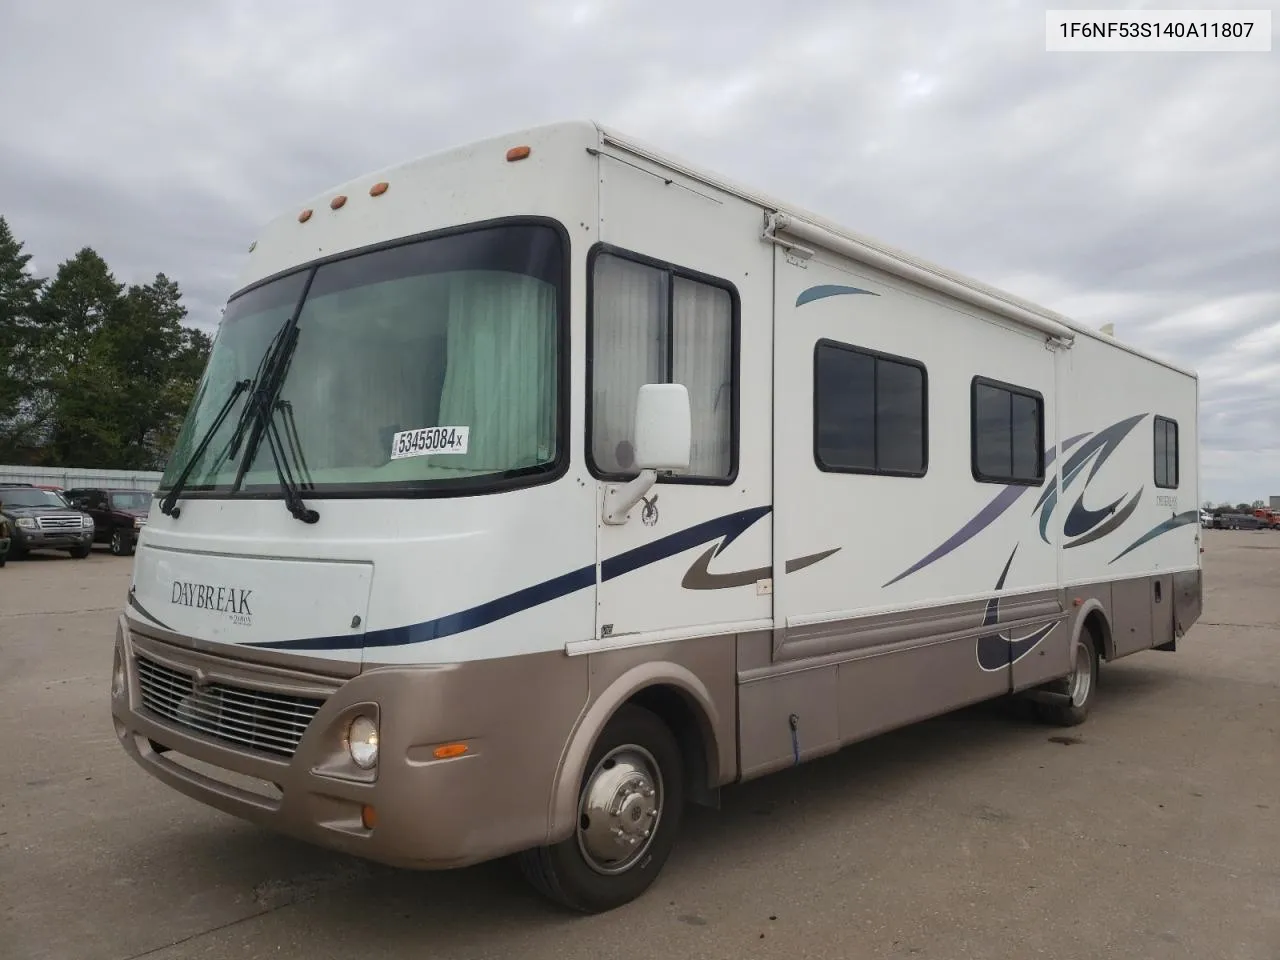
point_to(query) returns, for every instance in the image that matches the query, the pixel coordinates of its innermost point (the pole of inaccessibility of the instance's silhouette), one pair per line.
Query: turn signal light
(517, 153)
(368, 817)
(449, 751)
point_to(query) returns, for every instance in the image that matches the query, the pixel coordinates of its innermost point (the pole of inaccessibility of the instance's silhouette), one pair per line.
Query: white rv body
(784, 600)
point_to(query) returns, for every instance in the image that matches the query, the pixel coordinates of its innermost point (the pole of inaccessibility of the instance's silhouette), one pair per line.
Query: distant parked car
(4, 540)
(118, 515)
(43, 520)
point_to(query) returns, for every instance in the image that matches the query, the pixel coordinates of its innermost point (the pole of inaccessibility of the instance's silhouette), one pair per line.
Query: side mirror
(663, 427)
(663, 440)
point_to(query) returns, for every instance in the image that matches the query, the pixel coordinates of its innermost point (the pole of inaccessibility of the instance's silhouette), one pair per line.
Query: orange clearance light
(337, 201)
(449, 751)
(368, 817)
(304, 216)
(1077, 601)
(378, 189)
(517, 153)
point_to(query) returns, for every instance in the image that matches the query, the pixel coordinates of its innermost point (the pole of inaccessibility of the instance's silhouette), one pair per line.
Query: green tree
(77, 365)
(92, 373)
(158, 361)
(19, 295)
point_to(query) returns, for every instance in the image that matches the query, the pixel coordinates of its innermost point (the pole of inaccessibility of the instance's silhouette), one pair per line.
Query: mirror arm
(618, 500)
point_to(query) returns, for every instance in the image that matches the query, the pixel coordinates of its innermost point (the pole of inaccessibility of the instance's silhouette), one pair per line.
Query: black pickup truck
(42, 520)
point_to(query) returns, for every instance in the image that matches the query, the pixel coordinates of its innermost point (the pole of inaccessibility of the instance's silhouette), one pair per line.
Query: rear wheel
(120, 545)
(629, 810)
(1080, 685)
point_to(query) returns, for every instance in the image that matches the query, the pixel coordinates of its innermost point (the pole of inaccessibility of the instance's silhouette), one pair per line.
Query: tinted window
(1166, 452)
(1008, 433)
(869, 412)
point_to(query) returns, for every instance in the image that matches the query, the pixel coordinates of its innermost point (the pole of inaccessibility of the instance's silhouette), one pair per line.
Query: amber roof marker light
(337, 202)
(304, 216)
(378, 189)
(517, 153)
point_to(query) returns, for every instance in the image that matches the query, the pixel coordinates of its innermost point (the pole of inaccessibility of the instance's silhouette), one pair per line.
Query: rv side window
(1008, 433)
(1166, 453)
(869, 412)
(651, 323)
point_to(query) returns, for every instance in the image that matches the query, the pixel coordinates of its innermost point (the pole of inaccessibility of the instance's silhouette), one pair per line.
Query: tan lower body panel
(743, 705)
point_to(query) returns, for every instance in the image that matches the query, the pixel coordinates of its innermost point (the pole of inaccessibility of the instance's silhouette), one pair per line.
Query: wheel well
(693, 733)
(1096, 623)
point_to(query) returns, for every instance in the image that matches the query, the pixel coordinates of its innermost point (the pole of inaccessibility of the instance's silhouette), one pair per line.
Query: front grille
(267, 721)
(58, 523)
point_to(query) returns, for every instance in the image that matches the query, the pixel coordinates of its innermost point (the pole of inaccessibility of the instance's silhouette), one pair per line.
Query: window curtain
(703, 336)
(629, 349)
(500, 378)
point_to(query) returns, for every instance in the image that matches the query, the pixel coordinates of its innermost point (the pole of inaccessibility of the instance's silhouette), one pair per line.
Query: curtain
(703, 335)
(628, 349)
(500, 379)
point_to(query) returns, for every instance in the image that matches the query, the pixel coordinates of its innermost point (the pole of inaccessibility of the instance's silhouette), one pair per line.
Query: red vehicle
(1270, 518)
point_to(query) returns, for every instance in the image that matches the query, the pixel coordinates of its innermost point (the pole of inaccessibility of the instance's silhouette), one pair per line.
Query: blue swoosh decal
(1081, 519)
(1181, 520)
(997, 651)
(822, 291)
(728, 527)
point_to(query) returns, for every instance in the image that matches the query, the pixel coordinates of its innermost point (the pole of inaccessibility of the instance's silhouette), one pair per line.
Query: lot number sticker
(428, 440)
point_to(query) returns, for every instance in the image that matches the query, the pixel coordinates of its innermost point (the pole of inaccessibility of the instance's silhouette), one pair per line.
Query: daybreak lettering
(207, 596)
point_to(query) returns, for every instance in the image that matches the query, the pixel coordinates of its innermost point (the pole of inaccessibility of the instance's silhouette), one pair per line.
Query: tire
(79, 553)
(119, 545)
(1081, 684)
(566, 873)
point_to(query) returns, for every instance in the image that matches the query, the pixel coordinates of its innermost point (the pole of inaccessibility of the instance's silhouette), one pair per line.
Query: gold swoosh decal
(698, 577)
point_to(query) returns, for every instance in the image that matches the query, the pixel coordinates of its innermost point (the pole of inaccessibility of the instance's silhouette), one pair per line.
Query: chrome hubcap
(1081, 676)
(620, 808)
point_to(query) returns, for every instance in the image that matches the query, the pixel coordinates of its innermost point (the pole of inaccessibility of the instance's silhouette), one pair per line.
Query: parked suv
(43, 520)
(118, 515)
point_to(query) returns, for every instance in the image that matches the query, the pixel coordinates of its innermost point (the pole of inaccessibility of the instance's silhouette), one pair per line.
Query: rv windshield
(429, 365)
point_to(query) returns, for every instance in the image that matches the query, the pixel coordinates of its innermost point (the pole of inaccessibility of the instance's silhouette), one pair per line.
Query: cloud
(1133, 189)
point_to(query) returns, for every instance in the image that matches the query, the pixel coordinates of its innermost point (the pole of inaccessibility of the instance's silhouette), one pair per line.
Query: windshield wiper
(264, 404)
(292, 495)
(169, 505)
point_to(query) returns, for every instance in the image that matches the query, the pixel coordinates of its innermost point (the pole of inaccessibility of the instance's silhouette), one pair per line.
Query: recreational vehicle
(541, 487)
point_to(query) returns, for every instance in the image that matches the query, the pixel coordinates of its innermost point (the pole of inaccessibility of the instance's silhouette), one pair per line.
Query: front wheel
(630, 804)
(1080, 685)
(79, 553)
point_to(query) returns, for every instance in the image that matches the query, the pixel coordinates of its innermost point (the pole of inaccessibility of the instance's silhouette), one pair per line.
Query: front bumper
(51, 539)
(430, 814)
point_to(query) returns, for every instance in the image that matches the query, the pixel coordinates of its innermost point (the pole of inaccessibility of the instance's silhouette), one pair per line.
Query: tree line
(93, 372)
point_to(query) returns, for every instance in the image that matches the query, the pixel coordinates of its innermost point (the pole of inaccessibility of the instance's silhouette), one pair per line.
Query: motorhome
(541, 487)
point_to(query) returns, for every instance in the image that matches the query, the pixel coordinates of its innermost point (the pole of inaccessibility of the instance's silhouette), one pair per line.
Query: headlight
(362, 742)
(138, 522)
(26, 523)
(117, 676)
(86, 522)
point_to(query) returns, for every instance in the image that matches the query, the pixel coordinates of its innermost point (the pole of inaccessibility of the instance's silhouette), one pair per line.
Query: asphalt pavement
(1153, 830)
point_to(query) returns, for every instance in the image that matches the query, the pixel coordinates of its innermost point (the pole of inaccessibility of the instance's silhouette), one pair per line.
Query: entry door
(681, 292)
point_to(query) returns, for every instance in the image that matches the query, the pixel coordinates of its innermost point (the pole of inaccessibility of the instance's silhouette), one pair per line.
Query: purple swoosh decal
(1001, 502)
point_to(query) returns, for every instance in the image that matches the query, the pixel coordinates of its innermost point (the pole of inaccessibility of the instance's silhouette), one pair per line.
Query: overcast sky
(1138, 189)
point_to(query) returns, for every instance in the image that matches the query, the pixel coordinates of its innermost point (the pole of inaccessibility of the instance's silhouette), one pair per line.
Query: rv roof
(630, 145)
